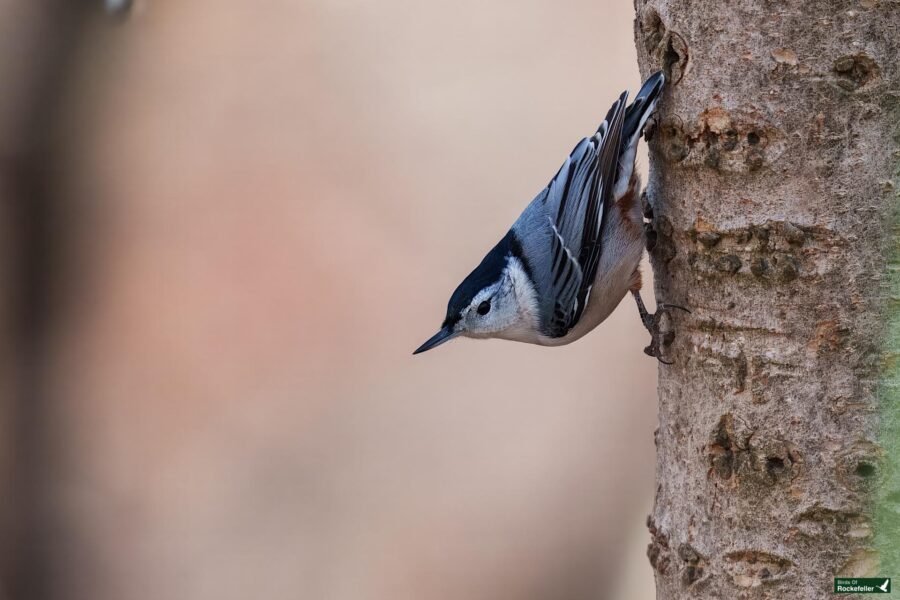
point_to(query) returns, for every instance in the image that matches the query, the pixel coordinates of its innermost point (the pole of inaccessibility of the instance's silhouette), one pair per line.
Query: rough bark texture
(773, 181)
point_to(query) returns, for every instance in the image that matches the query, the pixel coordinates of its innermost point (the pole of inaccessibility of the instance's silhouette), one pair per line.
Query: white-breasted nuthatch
(574, 253)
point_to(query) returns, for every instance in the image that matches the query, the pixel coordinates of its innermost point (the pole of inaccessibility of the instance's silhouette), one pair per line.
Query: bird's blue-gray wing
(561, 229)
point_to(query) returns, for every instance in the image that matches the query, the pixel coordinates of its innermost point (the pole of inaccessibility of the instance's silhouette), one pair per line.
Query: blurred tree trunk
(38, 44)
(774, 185)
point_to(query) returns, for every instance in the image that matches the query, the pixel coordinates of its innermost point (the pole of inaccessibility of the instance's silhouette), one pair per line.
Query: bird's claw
(671, 306)
(658, 337)
(653, 350)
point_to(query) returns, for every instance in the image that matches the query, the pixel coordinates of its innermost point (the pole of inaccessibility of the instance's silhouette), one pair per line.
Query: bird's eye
(484, 308)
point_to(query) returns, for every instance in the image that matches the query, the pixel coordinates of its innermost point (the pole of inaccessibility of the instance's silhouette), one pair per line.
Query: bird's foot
(659, 326)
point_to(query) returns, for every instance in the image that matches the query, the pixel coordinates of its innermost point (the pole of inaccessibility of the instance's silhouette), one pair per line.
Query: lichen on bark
(887, 515)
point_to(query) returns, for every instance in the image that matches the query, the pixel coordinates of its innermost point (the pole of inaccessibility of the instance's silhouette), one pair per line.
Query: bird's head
(494, 301)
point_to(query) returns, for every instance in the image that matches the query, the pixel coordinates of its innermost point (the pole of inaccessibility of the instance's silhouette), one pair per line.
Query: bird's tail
(636, 116)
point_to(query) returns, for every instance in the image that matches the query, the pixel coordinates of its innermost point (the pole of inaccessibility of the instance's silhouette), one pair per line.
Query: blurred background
(224, 227)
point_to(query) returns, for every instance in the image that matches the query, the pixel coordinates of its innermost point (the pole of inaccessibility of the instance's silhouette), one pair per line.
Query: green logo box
(862, 585)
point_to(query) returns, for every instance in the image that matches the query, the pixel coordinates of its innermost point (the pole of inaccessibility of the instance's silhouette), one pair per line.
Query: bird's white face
(492, 310)
(506, 309)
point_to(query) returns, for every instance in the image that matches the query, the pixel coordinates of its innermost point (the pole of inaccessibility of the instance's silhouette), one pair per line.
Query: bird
(574, 252)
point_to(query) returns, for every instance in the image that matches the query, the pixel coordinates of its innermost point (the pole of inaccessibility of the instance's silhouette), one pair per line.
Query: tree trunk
(38, 46)
(773, 186)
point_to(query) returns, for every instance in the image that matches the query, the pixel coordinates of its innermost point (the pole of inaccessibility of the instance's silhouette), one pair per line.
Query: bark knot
(735, 455)
(667, 47)
(855, 70)
(753, 568)
(728, 141)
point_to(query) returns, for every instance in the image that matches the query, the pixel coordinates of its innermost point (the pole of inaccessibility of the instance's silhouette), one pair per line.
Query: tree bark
(773, 186)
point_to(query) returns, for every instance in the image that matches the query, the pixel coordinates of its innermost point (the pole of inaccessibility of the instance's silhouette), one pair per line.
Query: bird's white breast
(621, 256)
(527, 327)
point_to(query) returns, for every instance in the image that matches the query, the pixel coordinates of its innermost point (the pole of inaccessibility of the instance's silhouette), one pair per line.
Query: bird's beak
(444, 335)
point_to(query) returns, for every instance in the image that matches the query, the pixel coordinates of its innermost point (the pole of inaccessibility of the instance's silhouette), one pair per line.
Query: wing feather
(601, 194)
(581, 193)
